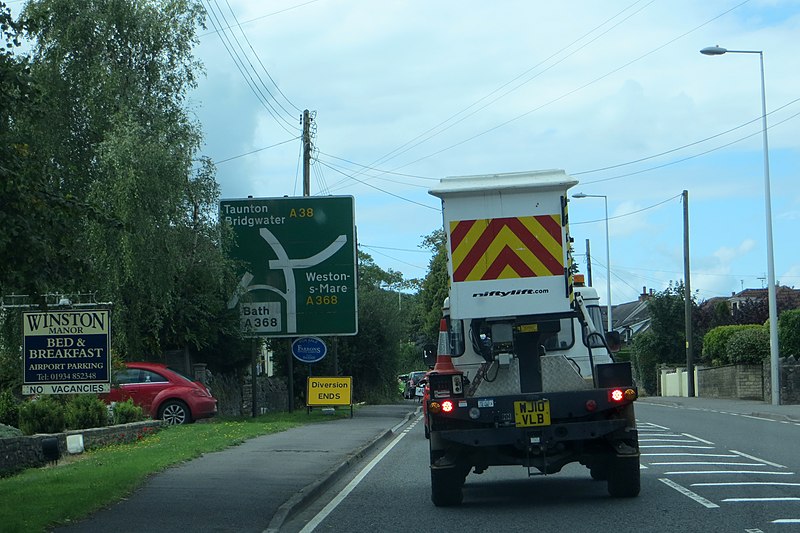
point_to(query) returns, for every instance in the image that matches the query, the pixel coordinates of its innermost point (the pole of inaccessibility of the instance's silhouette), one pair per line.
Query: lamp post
(608, 254)
(771, 289)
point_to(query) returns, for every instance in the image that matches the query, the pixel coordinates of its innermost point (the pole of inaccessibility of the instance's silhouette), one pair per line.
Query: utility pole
(588, 264)
(306, 153)
(687, 297)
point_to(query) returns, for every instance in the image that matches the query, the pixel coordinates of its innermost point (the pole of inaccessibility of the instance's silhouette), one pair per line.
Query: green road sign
(299, 257)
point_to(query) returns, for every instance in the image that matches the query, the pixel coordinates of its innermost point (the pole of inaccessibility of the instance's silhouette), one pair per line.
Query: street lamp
(773, 301)
(608, 254)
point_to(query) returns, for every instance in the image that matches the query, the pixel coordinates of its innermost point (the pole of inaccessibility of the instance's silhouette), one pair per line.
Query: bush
(127, 412)
(715, 343)
(86, 411)
(41, 415)
(9, 410)
(749, 346)
(789, 333)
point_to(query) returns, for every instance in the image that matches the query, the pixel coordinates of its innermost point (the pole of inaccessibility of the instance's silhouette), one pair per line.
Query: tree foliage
(789, 333)
(102, 185)
(716, 343)
(749, 346)
(665, 340)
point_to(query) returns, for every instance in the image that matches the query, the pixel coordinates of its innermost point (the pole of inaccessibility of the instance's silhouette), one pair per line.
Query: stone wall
(743, 382)
(234, 394)
(790, 380)
(19, 453)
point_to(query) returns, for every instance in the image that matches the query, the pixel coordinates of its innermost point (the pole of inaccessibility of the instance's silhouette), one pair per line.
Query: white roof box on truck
(507, 239)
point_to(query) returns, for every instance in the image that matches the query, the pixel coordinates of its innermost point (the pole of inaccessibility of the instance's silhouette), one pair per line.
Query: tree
(114, 137)
(665, 341)
(789, 333)
(434, 288)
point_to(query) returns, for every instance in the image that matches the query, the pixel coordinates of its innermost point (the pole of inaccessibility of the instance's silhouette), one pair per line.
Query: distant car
(163, 393)
(412, 383)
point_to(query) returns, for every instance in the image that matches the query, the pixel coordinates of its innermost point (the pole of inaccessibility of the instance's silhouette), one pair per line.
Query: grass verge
(39, 498)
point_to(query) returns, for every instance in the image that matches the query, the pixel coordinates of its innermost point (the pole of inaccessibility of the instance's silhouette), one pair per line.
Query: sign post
(299, 257)
(299, 271)
(66, 352)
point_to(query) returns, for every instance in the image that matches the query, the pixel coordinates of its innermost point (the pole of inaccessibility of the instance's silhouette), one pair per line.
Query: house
(632, 318)
(787, 297)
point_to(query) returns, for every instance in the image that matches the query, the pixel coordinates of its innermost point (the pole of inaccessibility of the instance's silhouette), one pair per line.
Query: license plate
(529, 414)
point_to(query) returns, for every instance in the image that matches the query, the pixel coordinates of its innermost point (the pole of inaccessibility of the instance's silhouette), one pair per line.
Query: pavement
(256, 486)
(261, 484)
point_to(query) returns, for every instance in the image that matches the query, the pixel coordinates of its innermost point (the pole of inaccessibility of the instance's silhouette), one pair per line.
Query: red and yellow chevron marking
(506, 248)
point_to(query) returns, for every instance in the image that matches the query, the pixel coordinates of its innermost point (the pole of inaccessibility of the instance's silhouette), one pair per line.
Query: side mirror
(614, 341)
(429, 355)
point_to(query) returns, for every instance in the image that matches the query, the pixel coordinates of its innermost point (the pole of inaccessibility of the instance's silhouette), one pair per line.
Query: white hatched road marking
(686, 492)
(739, 483)
(760, 473)
(781, 499)
(776, 465)
(669, 440)
(686, 454)
(696, 463)
(697, 438)
(677, 446)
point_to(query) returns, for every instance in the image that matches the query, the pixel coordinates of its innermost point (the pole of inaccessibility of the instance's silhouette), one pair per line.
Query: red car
(163, 393)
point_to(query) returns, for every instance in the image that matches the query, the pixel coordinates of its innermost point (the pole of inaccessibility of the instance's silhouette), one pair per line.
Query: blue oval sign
(309, 349)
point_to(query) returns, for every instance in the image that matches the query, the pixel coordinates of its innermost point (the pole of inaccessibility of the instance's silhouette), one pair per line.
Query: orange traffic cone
(444, 361)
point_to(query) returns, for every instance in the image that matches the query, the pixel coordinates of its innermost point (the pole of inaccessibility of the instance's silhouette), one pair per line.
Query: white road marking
(758, 418)
(686, 492)
(739, 483)
(776, 465)
(730, 472)
(677, 454)
(706, 463)
(666, 440)
(760, 500)
(787, 521)
(756, 530)
(317, 520)
(697, 438)
(677, 446)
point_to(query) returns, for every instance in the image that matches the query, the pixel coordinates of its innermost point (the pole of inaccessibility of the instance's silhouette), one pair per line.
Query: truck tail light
(620, 395)
(447, 406)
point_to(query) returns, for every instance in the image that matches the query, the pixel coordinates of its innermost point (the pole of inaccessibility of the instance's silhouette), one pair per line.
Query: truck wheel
(623, 477)
(446, 487)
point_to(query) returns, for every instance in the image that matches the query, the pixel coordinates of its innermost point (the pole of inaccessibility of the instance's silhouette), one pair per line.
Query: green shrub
(86, 411)
(127, 412)
(715, 343)
(41, 415)
(749, 346)
(789, 333)
(9, 410)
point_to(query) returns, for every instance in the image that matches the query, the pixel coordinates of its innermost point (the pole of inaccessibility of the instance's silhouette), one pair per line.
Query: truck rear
(533, 382)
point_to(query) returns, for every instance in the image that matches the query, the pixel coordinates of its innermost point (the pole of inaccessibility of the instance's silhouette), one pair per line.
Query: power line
(379, 189)
(250, 20)
(262, 66)
(214, 17)
(400, 150)
(255, 151)
(626, 214)
(757, 119)
(570, 93)
(675, 162)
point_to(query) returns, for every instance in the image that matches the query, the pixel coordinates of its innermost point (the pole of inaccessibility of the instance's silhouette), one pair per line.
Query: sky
(615, 93)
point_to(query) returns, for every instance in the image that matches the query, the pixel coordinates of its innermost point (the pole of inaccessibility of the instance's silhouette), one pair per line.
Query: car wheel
(174, 412)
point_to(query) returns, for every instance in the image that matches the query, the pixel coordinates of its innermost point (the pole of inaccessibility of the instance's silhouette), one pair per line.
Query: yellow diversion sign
(325, 391)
